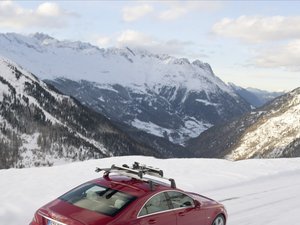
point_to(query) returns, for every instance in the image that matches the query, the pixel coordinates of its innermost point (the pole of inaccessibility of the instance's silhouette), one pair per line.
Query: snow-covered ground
(255, 192)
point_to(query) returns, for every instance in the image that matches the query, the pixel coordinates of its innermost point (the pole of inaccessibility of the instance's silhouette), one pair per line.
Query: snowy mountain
(268, 132)
(39, 126)
(165, 96)
(255, 192)
(255, 97)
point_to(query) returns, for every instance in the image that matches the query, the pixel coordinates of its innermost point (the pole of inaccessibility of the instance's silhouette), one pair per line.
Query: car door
(157, 210)
(187, 213)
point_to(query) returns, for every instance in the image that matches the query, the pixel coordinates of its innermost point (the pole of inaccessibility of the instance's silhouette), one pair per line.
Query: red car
(130, 196)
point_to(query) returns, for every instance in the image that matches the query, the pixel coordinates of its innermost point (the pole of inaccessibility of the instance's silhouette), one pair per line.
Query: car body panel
(163, 218)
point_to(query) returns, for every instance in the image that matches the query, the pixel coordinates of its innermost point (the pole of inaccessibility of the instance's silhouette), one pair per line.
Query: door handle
(181, 214)
(151, 221)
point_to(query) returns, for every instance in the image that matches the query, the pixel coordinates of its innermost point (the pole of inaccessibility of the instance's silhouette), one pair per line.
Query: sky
(249, 43)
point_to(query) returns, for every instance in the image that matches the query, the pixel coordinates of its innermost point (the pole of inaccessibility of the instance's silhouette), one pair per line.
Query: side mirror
(197, 204)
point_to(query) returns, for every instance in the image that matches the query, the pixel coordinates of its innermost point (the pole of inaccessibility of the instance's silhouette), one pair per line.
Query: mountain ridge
(165, 96)
(271, 131)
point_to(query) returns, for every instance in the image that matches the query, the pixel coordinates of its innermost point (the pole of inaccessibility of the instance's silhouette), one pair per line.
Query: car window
(179, 199)
(99, 199)
(155, 204)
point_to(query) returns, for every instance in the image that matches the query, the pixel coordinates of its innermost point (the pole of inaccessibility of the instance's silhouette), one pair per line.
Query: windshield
(99, 199)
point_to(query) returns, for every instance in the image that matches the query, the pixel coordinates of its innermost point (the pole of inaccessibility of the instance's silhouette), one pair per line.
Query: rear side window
(180, 200)
(99, 199)
(157, 203)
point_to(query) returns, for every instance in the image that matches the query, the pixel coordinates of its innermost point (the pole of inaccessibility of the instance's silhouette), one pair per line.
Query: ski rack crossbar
(137, 172)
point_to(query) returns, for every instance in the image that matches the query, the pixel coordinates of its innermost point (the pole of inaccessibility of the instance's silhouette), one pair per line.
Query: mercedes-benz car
(130, 196)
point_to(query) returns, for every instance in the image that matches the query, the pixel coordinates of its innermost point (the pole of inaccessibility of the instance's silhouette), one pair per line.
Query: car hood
(68, 214)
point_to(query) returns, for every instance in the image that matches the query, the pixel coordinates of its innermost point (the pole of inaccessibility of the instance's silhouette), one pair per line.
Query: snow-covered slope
(39, 126)
(275, 134)
(268, 132)
(255, 192)
(162, 95)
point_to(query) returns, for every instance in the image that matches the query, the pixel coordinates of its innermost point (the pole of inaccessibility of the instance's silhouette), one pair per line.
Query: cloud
(49, 9)
(132, 37)
(138, 40)
(47, 14)
(285, 56)
(135, 39)
(134, 13)
(103, 41)
(277, 39)
(168, 10)
(258, 29)
(177, 9)
(173, 13)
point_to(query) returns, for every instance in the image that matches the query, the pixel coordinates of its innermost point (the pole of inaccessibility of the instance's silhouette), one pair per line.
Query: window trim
(163, 211)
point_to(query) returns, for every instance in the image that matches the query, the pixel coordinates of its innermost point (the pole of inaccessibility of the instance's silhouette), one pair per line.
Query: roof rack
(137, 171)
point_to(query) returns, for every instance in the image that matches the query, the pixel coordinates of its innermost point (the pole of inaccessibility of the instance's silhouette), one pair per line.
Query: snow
(3, 90)
(150, 127)
(29, 145)
(101, 99)
(106, 87)
(255, 192)
(192, 128)
(205, 102)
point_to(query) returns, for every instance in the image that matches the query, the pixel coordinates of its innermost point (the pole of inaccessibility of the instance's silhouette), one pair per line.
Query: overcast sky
(252, 44)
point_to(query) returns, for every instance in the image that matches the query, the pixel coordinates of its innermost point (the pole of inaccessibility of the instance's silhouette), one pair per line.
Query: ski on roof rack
(137, 171)
(148, 170)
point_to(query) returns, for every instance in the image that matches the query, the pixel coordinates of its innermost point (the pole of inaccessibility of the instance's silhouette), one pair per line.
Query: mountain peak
(203, 65)
(41, 36)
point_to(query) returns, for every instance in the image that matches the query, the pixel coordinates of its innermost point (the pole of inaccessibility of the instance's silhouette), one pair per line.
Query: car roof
(130, 185)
